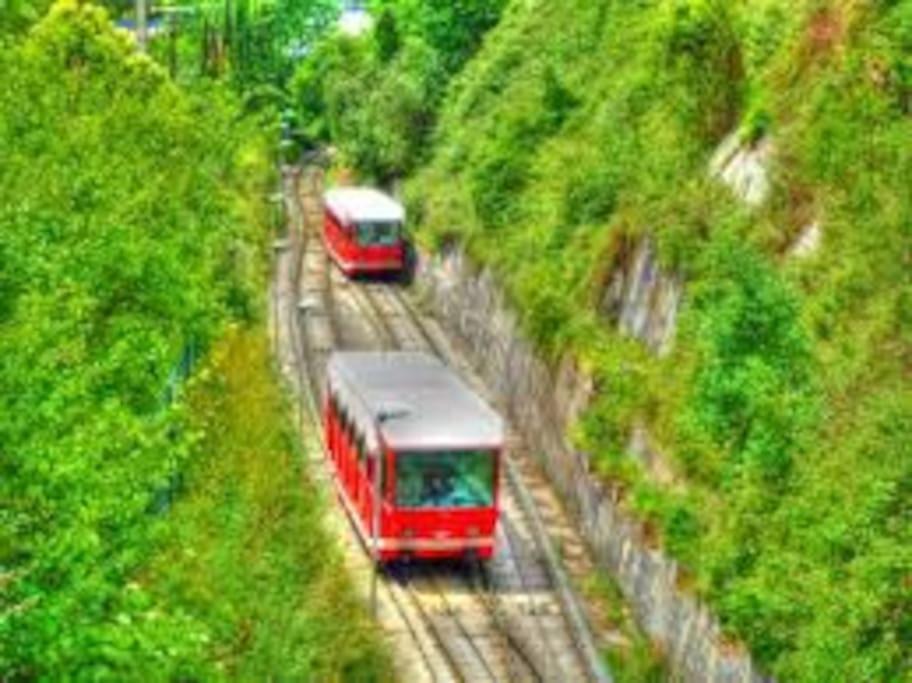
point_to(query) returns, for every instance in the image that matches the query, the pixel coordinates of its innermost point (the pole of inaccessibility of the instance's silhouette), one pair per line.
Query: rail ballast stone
(470, 306)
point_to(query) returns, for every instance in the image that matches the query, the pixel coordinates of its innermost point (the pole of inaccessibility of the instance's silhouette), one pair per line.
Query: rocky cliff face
(642, 298)
(545, 402)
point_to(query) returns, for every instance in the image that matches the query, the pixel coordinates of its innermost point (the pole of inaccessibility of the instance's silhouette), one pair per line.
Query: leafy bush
(17, 15)
(376, 97)
(454, 30)
(132, 230)
(557, 101)
(243, 557)
(752, 391)
(592, 194)
(496, 181)
(702, 47)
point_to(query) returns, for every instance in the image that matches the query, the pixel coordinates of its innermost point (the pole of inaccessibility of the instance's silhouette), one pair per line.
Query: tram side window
(378, 234)
(333, 415)
(445, 479)
(362, 451)
(346, 426)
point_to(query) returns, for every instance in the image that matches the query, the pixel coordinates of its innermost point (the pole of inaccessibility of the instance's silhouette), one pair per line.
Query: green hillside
(784, 408)
(153, 521)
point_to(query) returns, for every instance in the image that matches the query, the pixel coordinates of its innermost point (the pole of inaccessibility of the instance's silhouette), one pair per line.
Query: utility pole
(142, 24)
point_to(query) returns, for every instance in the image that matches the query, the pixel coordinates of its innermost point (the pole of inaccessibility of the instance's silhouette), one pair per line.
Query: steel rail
(567, 599)
(364, 299)
(303, 357)
(578, 630)
(461, 627)
(515, 644)
(550, 655)
(443, 646)
(493, 605)
(569, 604)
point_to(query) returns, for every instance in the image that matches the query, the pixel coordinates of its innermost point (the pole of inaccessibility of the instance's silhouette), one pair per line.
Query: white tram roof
(357, 204)
(414, 400)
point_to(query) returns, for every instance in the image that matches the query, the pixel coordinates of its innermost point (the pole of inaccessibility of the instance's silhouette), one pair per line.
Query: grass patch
(243, 553)
(632, 658)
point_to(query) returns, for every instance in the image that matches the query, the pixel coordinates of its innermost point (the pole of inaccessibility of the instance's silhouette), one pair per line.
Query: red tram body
(362, 230)
(438, 447)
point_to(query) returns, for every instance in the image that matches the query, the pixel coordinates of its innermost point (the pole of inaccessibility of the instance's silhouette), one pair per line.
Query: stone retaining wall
(542, 403)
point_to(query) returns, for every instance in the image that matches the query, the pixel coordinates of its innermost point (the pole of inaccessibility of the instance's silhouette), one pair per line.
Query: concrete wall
(542, 403)
(642, 299)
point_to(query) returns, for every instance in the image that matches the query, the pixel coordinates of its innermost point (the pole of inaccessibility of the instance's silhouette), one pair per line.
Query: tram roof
(415, 401)
(363, 204)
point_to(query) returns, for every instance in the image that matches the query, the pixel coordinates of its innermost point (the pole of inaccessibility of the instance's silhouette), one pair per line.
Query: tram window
(378, 234)
(352, 440)
(445, 479)
(346, 425)
(362, 450)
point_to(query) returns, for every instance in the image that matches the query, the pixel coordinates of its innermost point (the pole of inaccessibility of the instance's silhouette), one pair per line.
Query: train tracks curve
(515, 618)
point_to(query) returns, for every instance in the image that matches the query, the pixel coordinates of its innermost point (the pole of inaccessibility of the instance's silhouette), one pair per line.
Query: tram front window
(378, 234)
(445, 479)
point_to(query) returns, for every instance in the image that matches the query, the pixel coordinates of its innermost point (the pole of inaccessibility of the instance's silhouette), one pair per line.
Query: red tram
(362, 230)
(404, 424)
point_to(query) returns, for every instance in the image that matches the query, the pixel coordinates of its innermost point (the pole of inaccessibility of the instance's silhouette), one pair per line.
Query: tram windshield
(378, 234)
(463, 479)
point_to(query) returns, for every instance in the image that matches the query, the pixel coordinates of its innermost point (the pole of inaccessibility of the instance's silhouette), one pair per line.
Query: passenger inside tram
(378, 234)
(445, 480)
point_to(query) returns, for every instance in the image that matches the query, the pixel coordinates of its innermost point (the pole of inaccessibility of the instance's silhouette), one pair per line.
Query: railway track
(509, 620)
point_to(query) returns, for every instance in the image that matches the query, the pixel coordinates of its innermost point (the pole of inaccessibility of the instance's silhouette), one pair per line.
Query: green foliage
(387, 38)
(131, 219)
(376, 96)
(763, 32)
(244, 557)
(497, 180)
(263, 38)
(752, 392)
(703, 50)
(579, 127)
(591, 196)
(253, 44)
(120, 239)
(17, 15)
(384, 115)
(452, 29)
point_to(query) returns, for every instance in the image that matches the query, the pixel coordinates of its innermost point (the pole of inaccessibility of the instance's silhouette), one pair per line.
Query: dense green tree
(377, 96)
(15, 15)
(133, 227)
(454, 29)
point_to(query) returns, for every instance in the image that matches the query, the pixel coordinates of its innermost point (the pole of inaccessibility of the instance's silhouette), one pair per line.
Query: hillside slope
(784, 407)
(156, 520)
(754, 160)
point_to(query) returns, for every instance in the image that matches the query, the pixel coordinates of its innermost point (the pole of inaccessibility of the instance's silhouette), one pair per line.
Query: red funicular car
(362, 230)
(405, 423)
